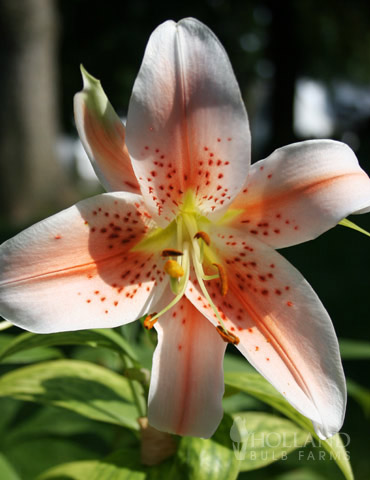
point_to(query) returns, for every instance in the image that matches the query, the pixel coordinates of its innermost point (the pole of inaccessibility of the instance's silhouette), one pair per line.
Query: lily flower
(187, 237)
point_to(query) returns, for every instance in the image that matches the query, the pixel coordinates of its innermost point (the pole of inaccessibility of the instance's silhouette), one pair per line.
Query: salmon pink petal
(300, 191)
(284, 330)
(103, 137)
(187, 383)
(75, 269)
(187, 127)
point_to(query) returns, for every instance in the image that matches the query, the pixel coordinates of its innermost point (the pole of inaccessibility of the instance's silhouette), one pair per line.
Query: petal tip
(88, 80)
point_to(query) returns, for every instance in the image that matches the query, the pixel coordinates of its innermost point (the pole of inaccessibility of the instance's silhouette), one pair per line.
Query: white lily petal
(187, 127)
(76, 270)
(284, 330)
(300, 191)
(187, 384)
(103, 137)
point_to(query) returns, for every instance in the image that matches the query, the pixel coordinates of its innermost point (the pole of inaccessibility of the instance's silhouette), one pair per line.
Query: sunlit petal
(300, 191)
(284, 330)
(75, 270)
(187, 378)
(187, 127)
(103, 136)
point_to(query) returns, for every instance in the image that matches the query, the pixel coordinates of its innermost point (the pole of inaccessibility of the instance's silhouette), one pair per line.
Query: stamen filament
(192, 229)
(179, 232)
(210, 277)
(182, 283)
(199, 275)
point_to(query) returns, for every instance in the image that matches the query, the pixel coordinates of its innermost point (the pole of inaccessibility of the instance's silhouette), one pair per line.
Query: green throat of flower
(186, 242)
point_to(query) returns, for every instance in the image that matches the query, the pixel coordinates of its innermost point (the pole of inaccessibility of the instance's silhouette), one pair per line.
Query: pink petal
(300, 191)
(187, 127)
(187, 383)
(75, 270)
(284, 330)
(103, 137)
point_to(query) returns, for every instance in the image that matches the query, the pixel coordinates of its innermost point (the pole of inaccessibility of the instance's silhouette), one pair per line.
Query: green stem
(136, 388)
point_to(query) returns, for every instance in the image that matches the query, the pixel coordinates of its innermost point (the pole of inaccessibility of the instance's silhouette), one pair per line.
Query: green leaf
(72, 471)
(354, 349)
(5, 325)
(32, 456)
(120, 465)
(9, 409)
(347, 223)
(236, 363)
(37, 354)
(7, 472)
(302, 474)
(262, 438)
(54, 422)
(99, 337)
(83, 387)
(254, 384)
(213, 459)
(360, 394)
(239, 402)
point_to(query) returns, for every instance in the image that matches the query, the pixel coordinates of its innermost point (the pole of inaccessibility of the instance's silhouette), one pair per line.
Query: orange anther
(204, 236)
(227, 336)
(148, 322)
(171, 252)
(224, 286)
